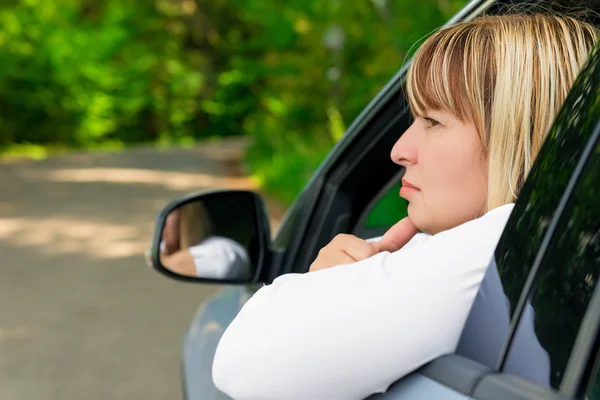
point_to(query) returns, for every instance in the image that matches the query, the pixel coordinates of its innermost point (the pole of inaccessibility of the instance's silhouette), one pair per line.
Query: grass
(29, 151)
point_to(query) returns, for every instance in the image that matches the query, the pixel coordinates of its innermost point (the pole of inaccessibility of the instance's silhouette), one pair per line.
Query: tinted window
(569, 271)
(569, 275)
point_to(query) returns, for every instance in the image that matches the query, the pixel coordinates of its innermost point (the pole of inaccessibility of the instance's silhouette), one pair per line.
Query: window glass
(568, 276)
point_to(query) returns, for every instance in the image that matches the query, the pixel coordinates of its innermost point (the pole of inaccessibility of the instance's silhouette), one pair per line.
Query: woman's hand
(348, 249)
(343, 249)
(181, 262)
(397, 236)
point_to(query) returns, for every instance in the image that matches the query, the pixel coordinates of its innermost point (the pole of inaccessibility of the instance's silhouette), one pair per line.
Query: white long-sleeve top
(349, 331)
(220, 258)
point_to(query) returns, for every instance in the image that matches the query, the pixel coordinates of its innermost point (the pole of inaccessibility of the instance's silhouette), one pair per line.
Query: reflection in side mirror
(214, 236)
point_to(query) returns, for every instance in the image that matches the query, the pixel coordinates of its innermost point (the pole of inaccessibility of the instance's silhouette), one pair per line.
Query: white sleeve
(349, 331)
(220, 258)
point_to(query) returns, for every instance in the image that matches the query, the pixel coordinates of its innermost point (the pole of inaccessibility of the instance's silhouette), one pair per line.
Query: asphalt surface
(81, 315)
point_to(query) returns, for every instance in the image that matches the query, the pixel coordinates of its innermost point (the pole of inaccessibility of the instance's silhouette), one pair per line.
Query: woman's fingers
(347, 249)
(397, 236)
(343, 249)
(355, 247)
(331, 260)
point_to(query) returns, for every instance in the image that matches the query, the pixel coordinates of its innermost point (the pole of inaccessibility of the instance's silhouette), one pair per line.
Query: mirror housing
(220, 237)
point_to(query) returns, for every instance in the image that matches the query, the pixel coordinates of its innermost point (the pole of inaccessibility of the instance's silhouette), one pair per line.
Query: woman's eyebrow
(437, 114)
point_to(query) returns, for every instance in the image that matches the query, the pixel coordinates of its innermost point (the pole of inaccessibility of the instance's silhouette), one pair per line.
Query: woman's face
(445, 181)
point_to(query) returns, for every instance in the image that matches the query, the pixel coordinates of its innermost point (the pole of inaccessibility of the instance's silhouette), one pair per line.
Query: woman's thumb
(397, 236)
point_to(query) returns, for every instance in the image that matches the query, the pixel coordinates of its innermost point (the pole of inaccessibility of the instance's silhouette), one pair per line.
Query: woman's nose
(404, 151)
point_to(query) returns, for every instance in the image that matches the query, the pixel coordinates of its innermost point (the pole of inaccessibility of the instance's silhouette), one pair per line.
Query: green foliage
(389, 210)
(301, 109)
(80, 73)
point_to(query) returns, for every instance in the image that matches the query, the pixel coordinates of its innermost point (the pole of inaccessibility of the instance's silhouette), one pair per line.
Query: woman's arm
(349, 331)
(181, 262)
(220, 258)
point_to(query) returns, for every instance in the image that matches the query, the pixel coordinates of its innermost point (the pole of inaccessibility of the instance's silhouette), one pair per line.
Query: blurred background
(111, 108)
(290, 75)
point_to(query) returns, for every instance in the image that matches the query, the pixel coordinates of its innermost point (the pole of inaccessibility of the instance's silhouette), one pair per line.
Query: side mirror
(212, 237)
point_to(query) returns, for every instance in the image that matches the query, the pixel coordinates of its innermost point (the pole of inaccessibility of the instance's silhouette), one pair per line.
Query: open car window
(387, 209)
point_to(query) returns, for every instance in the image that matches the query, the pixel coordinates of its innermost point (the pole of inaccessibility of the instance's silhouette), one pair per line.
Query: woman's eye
(430, 122)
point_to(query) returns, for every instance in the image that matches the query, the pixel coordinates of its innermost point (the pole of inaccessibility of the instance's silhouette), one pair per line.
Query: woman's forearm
(180, 262)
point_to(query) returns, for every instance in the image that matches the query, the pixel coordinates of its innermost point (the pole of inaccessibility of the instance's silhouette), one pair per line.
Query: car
(547, 259)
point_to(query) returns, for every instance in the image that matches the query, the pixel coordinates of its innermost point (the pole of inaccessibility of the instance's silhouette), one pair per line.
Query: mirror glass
(214, 237)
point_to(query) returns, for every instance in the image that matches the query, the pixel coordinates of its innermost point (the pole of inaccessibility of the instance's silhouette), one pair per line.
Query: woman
(190, 247)
(483, 93)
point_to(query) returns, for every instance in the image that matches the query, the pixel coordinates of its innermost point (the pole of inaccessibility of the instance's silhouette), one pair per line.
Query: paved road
(81, 315)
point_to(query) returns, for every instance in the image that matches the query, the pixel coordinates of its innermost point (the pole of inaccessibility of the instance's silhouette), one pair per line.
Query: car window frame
(593, 370)
(578, 373)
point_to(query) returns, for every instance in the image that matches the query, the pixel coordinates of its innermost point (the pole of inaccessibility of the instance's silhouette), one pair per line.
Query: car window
(569, 275)
(387, 210)
(569, 269)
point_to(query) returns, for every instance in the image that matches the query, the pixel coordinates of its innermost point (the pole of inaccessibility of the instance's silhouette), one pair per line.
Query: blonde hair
(508, 75)
(195, 224)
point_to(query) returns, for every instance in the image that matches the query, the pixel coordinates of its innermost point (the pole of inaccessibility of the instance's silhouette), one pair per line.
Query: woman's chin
(419, 219)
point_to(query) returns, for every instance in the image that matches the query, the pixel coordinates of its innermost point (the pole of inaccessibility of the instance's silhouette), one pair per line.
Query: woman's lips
(407, 188)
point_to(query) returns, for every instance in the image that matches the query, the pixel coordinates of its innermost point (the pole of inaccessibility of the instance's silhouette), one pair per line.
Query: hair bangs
(438, 76)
